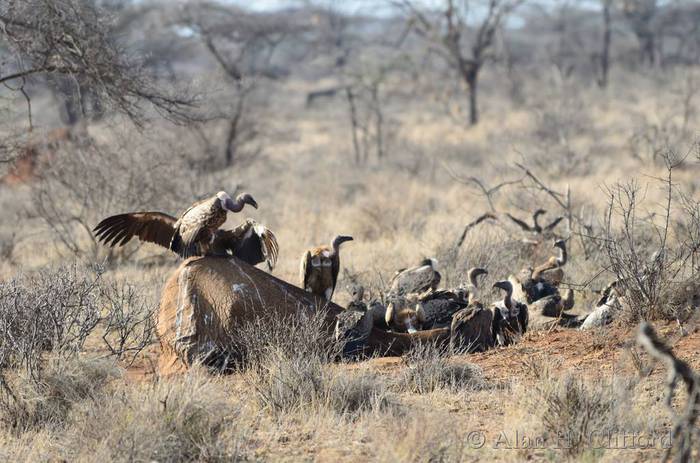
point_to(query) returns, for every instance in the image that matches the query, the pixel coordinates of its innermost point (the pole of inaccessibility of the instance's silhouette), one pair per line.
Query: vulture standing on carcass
(439, 306)
(196, 232)
(510, 317)
(415, 279)
(404, 314)
(320, 267)
(471, 328)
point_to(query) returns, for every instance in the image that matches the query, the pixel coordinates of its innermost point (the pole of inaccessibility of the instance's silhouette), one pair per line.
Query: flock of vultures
(414, 303)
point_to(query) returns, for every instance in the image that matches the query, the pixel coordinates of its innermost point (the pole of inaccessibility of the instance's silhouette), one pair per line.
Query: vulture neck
(535, 220)
(561, 260)
(508, 299)
(235, 206)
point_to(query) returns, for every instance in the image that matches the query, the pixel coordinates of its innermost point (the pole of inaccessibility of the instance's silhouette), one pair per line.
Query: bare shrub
(54, 310)
(129, 323)
(655, 272)
(428, 368)
(30, 404)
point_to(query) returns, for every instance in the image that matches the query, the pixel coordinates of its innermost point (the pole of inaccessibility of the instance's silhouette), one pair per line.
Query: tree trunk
(605, 52)
(473, 104)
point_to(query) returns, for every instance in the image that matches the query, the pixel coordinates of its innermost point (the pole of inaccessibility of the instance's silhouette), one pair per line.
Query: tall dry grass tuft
(188, 418)
(428, 368)
(28, 403)
(287, 362)
(572, 413)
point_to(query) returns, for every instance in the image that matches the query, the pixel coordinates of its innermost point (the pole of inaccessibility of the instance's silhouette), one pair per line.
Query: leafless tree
(68, 42)
(641, 16)
(464, 40)
(606, 6)
(243, 44)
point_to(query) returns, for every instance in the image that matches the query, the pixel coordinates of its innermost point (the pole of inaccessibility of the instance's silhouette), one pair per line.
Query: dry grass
(290, 400)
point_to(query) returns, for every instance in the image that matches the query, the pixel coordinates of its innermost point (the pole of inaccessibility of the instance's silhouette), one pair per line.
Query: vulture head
(340, 239)
(506, 286)
(404, 320)
(237, 205)
(475, 273)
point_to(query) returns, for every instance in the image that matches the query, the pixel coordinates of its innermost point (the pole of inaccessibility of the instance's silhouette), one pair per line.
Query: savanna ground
(74, 396)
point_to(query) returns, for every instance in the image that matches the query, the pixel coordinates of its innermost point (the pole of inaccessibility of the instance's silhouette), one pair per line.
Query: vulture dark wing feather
(152, 227)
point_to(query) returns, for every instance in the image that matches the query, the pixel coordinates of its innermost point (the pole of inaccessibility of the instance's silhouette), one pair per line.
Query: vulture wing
(520, 223)
(251, 242)
(523, 317)
(153, 227)
(305, 269)
(553, 224)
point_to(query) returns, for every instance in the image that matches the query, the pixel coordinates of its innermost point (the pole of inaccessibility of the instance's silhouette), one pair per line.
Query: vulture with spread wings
(251, 242)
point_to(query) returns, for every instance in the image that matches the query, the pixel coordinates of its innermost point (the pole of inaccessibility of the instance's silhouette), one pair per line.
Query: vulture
(472, 328)
(551, 270)
(466, 292)
(536, 227)
(439, 306)
(510, 317)
(415, 279)
(554, 304)
(320, 266)
(404, 314)
(251, 242)
(544, 280)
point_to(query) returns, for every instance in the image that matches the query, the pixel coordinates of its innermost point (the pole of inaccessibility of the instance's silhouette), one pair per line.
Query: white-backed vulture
(510, 317)
(472, 328)
(553, 305)
(468, 291)
(320, 266)
(207, 299)
(252, 242)
(552, 269)
(536, 227)
(404, 314)
(190, 235)
(607, 308)
(415, 279)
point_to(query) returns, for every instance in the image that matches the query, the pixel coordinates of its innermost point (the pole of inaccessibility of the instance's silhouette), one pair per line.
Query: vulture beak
(248, 199)
(340, 239)
(504, 285)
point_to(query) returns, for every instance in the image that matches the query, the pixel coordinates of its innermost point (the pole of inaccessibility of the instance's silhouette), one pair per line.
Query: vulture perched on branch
(320, 266)
(196, 232)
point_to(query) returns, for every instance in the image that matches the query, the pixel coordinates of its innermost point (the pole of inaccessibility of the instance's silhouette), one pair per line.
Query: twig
(683, 429)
